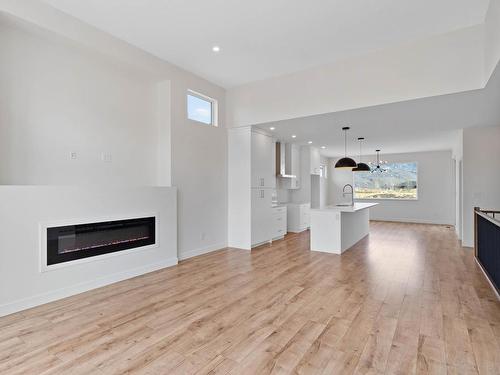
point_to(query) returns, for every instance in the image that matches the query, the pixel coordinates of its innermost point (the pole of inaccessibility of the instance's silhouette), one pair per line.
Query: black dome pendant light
(345, 162)
(362, 167)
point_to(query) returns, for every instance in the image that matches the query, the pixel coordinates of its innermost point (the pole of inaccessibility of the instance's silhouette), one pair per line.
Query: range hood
(284, 160)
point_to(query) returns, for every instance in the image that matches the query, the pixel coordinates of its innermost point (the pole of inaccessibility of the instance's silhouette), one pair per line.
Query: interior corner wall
(481, 176)
(199, 171)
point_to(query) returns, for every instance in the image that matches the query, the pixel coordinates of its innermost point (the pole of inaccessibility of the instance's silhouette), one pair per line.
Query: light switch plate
(106, 157)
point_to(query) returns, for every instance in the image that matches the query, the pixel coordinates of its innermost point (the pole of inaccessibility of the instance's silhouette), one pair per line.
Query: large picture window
(396, 181)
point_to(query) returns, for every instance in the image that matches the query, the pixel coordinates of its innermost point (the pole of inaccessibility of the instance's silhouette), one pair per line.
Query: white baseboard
(201, 251)
(297, 230)
(411, 221)
(467, 243)
(40, 299)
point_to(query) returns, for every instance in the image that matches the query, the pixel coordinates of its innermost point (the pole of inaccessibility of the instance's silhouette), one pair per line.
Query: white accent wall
(481, 175)
(25, 208)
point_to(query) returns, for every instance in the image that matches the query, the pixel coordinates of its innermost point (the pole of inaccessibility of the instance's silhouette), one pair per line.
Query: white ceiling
(412, 126)
(264, 38)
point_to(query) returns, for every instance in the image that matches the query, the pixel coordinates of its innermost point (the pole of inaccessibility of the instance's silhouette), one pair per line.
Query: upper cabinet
(292, 155)
(315, 160)
(263, 161)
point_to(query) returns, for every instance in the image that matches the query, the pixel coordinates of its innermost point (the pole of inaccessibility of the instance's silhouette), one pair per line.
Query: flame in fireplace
(103, 244)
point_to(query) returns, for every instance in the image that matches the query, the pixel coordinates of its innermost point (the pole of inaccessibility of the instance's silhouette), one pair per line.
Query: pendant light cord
(345, 143)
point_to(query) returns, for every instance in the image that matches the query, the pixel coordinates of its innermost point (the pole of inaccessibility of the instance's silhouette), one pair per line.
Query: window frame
(392, 199)
(213, 106)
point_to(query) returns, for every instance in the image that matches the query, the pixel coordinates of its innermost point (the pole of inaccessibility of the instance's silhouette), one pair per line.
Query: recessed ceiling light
(216, 48)
(323, 147)
(272, 128)
(294, 136)
(310, 142)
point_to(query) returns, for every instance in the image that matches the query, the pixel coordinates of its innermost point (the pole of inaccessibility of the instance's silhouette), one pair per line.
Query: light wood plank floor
(407, 299)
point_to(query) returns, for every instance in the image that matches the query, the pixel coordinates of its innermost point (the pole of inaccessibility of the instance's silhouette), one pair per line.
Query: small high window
(201, 108)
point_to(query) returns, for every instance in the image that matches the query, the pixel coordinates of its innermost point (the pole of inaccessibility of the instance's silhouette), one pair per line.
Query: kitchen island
(334, 229)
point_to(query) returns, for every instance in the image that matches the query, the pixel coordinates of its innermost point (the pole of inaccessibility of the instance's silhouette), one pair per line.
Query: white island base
(334, 229)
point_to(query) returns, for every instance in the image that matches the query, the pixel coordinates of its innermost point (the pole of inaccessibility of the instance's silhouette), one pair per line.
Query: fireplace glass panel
(78, 241)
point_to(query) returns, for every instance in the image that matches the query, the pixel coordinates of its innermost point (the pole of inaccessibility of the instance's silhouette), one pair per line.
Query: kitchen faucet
(351, 193)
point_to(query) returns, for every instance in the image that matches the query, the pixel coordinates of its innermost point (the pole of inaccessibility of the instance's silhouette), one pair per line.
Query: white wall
(164, 125)
(481, 175)
(24, 208)
(337, 179)
(58, 98)
(199, 171)
(442, 64)
(436, 191)
(492, 38)
(436, 188)
(131, 83)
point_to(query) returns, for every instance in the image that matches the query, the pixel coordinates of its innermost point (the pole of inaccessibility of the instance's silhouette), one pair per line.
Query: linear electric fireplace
(71, 242)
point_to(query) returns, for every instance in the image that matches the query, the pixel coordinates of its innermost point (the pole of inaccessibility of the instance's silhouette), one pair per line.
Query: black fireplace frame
(52, 232)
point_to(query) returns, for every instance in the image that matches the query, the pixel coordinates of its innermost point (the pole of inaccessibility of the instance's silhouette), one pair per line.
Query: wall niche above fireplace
(69, 243)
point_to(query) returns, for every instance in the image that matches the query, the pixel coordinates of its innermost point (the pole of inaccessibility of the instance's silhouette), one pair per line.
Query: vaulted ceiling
(260, 39)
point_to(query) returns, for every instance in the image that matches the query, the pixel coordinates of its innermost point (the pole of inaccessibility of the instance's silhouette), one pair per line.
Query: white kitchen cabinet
(298, 217)
(315, 160)
(292, 153)
(290, 183)
(263, 161)
(252, 182)
(262, 216)
(279, 222)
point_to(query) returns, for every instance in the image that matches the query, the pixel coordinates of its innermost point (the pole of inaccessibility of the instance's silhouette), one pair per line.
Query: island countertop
(357, 207)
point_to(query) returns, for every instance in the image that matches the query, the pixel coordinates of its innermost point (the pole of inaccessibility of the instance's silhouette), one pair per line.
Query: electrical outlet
(73, 155)
(203, 236)
(106, 157)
